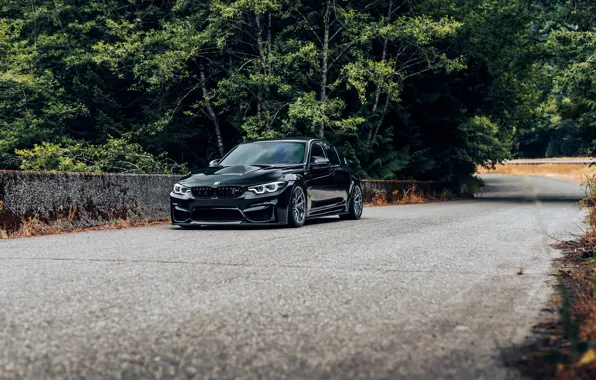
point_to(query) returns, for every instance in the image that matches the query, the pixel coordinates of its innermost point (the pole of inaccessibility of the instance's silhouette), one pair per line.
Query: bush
(117, 155)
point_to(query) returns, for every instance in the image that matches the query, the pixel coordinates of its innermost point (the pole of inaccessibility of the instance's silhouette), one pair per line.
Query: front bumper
(249, 208)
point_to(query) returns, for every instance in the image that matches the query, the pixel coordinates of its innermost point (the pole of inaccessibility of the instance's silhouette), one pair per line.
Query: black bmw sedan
(266, 182)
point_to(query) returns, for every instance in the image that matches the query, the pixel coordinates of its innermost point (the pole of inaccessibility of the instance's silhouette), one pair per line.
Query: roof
(288, 139)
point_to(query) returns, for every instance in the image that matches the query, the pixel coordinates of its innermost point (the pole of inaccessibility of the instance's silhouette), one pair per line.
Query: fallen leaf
(588, 357)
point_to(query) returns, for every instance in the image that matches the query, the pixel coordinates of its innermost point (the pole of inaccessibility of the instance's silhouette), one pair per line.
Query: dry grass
(579, 305)
(569, 352)
(577, 334)
(31, 227)
(571, 172)
(409, 196)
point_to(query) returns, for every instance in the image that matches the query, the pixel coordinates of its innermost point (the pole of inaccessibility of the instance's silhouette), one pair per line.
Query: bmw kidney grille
(217, 192)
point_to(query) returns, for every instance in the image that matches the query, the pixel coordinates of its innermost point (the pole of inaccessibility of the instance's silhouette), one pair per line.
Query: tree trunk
(210, 111)
(372, 131)
(262, 55)
(382, 117)
(260, 39)
(269, 42)
(325, 63)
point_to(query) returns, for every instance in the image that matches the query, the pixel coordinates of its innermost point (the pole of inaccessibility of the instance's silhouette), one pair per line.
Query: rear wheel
(297, 209)
(356, 205)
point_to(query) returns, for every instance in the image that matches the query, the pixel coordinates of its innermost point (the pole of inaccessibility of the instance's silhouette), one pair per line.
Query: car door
(319, 185)
(340, 180)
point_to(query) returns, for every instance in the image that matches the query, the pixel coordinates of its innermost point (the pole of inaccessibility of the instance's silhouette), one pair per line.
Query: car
(270, 182)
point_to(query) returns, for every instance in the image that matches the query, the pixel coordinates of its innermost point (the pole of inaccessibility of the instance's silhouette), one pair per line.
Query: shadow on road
(248, 227)
(513, 189)
(526, 199)
(537, 357)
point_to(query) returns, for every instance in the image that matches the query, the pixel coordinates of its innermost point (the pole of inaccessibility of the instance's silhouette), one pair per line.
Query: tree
(416, 89)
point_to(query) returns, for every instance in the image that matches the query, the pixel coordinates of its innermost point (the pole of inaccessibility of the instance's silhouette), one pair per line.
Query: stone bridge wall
(88, 199)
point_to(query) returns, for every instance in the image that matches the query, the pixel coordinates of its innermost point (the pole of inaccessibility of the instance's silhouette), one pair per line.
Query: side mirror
(319, 161)
(214, 163)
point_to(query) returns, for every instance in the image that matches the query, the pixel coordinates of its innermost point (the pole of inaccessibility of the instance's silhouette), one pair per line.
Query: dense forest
(423, 89)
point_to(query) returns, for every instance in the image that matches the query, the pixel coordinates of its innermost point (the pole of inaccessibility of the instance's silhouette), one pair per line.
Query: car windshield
(266, 153)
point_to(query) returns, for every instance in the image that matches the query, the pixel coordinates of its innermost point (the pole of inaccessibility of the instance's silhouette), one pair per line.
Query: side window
(332, 154)
(316, 150)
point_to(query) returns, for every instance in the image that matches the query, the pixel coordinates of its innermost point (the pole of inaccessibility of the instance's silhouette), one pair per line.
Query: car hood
(238, 175)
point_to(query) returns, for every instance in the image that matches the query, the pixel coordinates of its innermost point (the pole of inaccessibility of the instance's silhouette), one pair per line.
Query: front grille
(217, 215)
(217, 192)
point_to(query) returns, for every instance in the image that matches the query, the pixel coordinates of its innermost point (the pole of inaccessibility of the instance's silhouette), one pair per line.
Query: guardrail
(549, 162)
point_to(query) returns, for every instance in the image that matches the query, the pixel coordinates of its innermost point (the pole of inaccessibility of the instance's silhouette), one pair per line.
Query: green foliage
(575, 82)
(483, 145)
(116, 155)
(564, 72)
(410, 89)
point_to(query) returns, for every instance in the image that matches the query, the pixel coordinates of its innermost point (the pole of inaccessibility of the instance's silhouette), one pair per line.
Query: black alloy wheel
(297, 209)
(356, 205)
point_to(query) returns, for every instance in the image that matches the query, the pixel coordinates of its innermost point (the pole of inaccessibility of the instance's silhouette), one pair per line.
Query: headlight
(267, 188)
(181, 190)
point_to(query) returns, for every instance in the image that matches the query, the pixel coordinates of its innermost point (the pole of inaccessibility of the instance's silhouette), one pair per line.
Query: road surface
(421, 291)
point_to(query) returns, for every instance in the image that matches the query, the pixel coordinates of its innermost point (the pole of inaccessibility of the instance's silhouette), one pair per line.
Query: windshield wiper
(287, 166)
(260, 165)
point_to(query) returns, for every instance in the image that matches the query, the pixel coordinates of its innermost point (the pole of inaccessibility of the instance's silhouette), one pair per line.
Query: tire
(297, 207)
(356, 205)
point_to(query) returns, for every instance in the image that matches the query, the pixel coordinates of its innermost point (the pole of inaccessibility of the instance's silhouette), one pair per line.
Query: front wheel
(297, 209)
(356, 205)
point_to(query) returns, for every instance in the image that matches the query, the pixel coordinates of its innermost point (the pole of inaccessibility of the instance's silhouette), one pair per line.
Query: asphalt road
(422, 291)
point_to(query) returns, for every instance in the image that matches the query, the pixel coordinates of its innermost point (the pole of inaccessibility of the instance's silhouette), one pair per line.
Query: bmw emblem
(216, 183)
